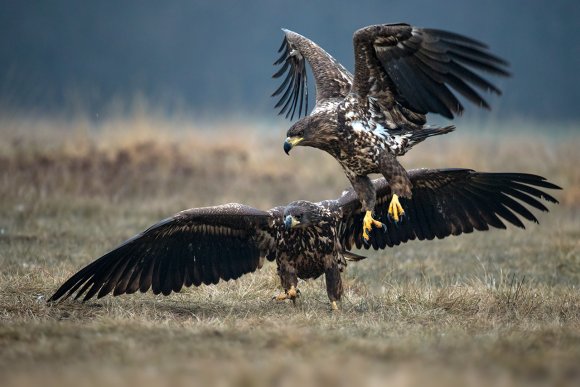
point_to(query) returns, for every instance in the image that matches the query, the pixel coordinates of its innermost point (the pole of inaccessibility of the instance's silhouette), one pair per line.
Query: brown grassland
(493, 308)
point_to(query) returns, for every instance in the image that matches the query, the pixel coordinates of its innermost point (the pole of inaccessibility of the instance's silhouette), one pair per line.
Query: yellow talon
(291, 294)
(368, 223)
(395, 208)
(281, 297)
(333, 305)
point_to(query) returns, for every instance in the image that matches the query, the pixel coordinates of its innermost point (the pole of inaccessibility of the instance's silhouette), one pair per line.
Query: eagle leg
(333, 280)
(368, 223)
(396, 211)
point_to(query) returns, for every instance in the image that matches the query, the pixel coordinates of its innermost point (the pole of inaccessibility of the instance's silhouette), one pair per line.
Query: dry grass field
(497, 308)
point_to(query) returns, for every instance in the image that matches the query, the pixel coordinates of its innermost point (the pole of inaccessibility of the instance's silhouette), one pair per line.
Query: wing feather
(126, 283)
(195, 246)
(331, 78)
(448, 202)
(113, 278)
(453, 37)
(415, 67)
(473, 210)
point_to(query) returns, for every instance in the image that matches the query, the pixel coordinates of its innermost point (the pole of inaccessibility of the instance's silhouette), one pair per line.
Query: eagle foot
(290, 294)
(368, 223)
(396, 211)
(333, 306)
(293, 292)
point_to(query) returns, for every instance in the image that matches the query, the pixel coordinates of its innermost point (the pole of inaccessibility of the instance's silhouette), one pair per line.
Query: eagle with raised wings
(204, 245)
(365, 121)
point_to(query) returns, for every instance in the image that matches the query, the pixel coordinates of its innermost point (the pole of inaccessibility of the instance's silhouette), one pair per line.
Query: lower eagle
(307, 240)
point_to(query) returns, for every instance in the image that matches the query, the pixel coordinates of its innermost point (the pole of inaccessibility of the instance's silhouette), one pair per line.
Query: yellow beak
(291, 142)
(290, 222)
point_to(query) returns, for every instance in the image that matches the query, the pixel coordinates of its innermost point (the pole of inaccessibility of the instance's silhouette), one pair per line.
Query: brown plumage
(365, 121)
(307, 240)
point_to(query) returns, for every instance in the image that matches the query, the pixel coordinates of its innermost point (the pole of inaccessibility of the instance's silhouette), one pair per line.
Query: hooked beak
(290, 222)
(291, 142)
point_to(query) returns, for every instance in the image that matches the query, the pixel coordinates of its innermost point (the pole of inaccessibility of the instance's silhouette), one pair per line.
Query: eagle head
(301, 214)
(314, 131)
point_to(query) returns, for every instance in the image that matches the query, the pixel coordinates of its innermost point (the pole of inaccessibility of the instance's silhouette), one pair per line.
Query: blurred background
(115, 114)
(210, 58)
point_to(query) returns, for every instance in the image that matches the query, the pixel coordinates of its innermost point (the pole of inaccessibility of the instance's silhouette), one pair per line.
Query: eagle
(365, 121)
(206, 245)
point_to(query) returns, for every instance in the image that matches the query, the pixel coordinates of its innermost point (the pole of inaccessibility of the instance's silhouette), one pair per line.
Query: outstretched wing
(447, 202)
(409, 70)
(332, 80)
(201, 245)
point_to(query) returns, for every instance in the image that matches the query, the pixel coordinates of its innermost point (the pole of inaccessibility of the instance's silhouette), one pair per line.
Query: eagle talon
(396, 211)
(280, 297)
(397, 222)
(368, 223)
(293, 293)
(290, 294)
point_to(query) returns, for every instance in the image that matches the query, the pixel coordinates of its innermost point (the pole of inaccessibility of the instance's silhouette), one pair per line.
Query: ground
(494, 308)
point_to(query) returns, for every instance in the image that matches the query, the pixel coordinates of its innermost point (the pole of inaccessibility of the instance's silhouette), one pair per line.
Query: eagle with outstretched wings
(365, 121)
(206, 245)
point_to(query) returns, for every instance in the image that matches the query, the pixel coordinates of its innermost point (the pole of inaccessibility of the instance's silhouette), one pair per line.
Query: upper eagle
(365, 121)
(204, 245)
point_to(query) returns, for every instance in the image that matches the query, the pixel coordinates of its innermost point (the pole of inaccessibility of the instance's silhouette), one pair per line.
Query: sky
(216, 56)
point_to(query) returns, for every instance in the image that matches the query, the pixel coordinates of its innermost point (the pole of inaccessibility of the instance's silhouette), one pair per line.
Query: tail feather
(350, 256)
(419, 135)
